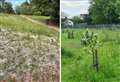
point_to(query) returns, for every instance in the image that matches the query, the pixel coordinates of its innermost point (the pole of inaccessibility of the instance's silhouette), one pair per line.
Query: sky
(75, 7)
(16, 2)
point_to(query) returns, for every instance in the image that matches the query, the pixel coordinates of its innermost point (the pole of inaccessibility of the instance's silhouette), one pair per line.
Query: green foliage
(118, 7)
(79, 67)
(71, 34)
(40, 18)
(48, 7)
(40, 7)
(55, 11)
(90, 41)
(24, 8)
(66, 53)
(103, 11)
(18, 23)
(6, 7)
(0, 8)
(76, 20)
(43, 6)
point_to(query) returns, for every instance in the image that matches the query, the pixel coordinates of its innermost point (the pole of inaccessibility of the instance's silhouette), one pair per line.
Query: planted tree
(90, 40)
(71, 34)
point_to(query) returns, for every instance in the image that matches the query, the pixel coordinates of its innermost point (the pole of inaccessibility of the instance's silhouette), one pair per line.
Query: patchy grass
(17, 23)
(26, 46)
(77, 62)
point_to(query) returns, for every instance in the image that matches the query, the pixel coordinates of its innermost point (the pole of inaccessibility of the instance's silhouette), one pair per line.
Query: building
(68, 23)
(83, 16)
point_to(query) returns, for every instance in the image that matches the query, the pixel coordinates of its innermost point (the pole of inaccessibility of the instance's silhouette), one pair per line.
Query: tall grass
(40, 18)
(17, 23)
(77, 64)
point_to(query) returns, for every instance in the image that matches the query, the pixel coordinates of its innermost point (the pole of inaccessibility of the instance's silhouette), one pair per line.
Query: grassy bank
(77, 62)
(40, 18)
(17, 23)
(27, 48)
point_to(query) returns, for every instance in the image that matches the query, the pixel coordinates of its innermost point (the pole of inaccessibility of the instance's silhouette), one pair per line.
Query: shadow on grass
(66, 54)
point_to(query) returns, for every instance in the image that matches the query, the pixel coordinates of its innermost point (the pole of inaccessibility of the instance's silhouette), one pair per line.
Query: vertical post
(72, 34)
(68, 35)
(96, 60)
(93, 57)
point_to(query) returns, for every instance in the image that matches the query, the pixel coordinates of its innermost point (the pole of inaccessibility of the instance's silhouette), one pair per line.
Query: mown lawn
(77, 62)
(17, 23)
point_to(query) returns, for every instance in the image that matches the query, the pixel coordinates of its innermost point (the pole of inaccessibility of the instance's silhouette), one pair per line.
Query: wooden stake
(96, 60)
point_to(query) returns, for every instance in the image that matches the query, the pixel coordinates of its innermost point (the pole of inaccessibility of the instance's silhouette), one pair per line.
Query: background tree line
(101, 12)
(40, 7)
(6, 7)
(105, 11)
(33, 7)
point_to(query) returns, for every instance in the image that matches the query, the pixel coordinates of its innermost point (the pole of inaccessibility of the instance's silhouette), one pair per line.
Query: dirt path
(40, 23)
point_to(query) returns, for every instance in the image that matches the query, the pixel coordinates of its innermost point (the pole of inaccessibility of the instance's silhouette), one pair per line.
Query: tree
(103, 11)
(48, 8)
(0, 9)
(6, 7)
(76, 19)
(44, 6)
(118, 8)
(17, 9)
(1, 5)
(55, 11)
(24, 8)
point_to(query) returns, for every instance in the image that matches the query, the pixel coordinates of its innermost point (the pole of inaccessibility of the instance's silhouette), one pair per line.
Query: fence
(97, 25)
(84, 25)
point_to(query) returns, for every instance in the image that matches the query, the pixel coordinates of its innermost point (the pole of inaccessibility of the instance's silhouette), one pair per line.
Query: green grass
(77, 62)
(18, 23)
(40, 18)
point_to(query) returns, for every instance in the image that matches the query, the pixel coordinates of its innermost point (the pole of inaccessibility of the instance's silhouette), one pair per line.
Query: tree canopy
(104, 11)
(77, 19)
(24, 8)
(40, 7)
(48, 7)
(6, 7)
